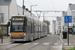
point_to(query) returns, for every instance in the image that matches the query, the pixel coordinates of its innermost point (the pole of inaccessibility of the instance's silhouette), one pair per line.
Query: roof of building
(58, 18)
(72, 6)
(64, 13)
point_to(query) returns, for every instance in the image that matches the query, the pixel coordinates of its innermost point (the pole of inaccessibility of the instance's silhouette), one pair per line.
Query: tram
(23, 28)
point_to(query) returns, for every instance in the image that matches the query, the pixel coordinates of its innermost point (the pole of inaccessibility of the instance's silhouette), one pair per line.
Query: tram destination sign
(18, 19)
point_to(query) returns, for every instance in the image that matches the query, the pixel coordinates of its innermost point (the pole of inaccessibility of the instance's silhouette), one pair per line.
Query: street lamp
(31, 9)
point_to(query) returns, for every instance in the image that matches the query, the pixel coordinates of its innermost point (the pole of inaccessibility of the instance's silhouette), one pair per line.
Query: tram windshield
(17, 26)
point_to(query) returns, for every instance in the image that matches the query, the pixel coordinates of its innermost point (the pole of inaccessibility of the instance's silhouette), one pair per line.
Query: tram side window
(34, 29)
(28, 29)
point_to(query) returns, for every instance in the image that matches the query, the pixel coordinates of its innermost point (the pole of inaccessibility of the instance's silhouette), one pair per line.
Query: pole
(31, 10)
(68, 35)
(8, 13)
(2, 39)
(43, 16)
(23, 7)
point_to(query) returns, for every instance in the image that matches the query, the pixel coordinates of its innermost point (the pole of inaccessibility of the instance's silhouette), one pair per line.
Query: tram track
(36, 44)
(43, 42)
(15, 45)
(52, 44)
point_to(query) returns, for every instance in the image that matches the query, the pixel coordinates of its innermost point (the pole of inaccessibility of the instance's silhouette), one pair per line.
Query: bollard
(1, 39)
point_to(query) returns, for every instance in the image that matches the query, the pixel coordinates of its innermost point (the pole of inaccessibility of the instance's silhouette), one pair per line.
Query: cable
(53, 6)
(37, 6)
(30, 1)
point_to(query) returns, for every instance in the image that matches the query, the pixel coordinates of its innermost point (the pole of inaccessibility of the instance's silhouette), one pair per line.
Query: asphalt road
(45, 43)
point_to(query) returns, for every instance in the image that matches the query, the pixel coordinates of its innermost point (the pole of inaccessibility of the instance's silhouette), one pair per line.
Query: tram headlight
(24, 34)
(10, 34)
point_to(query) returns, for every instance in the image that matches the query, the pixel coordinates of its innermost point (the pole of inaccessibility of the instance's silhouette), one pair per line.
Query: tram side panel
(28, 30)
(41, 30)
(36, 28)
(45, 30)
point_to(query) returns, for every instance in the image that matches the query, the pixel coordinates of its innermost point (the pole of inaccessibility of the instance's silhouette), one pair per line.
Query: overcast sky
(55, 5)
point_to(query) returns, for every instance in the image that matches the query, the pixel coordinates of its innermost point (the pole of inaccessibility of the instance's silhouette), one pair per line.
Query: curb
(62, 43)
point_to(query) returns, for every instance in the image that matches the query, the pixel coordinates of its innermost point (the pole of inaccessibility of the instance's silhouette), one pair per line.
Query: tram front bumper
(17, 39)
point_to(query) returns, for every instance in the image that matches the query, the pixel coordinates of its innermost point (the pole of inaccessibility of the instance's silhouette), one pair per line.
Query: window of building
(66, 24)
(1, 17)
(59, 23)
(54, 29)
(54, 25)
(59, 27)
(59, 31)
(73, 19)
(73, 13)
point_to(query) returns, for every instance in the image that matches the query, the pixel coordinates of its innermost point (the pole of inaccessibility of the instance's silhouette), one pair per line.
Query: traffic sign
(68, 19)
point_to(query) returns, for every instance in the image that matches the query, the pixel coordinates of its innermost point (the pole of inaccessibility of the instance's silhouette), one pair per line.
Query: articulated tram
(23, 28)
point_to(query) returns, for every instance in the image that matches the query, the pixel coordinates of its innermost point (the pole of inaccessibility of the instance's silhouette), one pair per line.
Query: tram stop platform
(71, 42)
(5, 40)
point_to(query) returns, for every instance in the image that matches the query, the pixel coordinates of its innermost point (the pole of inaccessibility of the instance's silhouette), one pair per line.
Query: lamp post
(31, 9)
(23, 7)
(44, 16)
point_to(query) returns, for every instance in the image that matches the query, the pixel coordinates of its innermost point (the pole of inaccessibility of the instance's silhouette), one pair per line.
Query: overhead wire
(40, 6)
(31, 3)
(53, 6)
(34, 6)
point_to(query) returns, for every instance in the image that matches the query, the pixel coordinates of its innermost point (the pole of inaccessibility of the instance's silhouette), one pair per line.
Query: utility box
(64, 35)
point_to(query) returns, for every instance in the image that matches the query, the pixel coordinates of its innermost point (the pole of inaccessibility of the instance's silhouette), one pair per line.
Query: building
(58, 25)
(71, 12)
(9, 8)
(64, 26)
(54, 27)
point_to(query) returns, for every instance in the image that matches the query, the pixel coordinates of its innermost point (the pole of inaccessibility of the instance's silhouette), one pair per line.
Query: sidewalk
(71, 41)
(57, 45)
(5, 40)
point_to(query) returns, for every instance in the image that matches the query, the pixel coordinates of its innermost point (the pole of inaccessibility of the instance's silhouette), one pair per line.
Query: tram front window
(17, 26)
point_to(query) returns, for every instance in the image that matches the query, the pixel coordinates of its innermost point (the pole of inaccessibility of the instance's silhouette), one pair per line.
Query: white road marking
(55, 43)
(4, 43)
(46, 43)
(26, 44)
(57, 46)
(67, 44)
(35, 43)
(15, 44)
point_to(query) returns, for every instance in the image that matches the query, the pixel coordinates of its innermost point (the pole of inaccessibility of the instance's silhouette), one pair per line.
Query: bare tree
(1, 24)
(48, 23)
